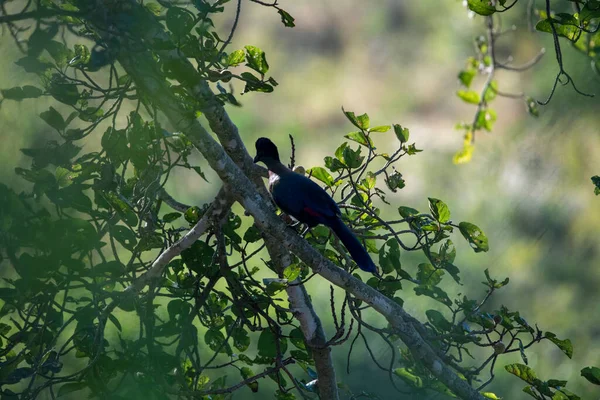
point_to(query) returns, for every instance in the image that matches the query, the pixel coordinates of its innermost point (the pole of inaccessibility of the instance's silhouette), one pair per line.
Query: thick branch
(310, 324)
(216, 212)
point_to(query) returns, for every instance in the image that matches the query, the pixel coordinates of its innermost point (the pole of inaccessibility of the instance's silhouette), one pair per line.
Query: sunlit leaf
(321, 174)
(522, 371)
(475, 236)
(481, 7)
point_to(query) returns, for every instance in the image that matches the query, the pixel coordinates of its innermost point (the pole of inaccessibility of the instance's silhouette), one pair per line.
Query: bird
(306, 201)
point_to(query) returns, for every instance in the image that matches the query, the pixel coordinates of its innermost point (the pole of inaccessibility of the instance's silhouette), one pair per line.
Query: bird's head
(266, 151)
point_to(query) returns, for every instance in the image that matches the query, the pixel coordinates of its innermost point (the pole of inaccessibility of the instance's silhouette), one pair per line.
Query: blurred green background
(528, 185)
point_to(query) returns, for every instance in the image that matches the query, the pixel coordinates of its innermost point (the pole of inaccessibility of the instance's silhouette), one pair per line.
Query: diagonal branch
(216, 212)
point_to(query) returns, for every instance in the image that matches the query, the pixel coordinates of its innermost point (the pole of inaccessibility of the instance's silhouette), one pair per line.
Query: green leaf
(481, 7)
(82, 55)
(466, 76)
(395, 181)
(114, 142)
(275, 285)
(522, 371)
(464, 155)
(54, 119)
(490, 395)
(380, 128)
(70, 388)
(447, 251)
(592, 374)
(63, 91)
(352, 118)
(91, 114)
(390, 260)
(493, 283)
(469, 96)
(596, 182)
(33, 65)
(532, 107)
(256, 59)
(59, 52)
(333, 164)
(406, 212)
(486, 119)
(438, 320)
(565, 345)
(360, 138)
(19, 93)
(491, 91)
(411, 150)
(180, 21)
(252, 234)
(122, 208)
(154, 8)
(352, 158)
(241, 340)
(428, 275)
(216, 341)
(286, 18)
(4, 328)
(408, 377)
(439, 209)
(115, 321)
(321, 174)
(475, 236)
(566, 25)
(198, 257)
(401, 133)
(591, 10)
(267, 344)
(193, 214)
(292, 272)
(236, 58)
(170, 217)
(297, 338)
(253, 84)
(125, 236)
(64, 177)
(363, 121)
(198, 170)
(368, 182)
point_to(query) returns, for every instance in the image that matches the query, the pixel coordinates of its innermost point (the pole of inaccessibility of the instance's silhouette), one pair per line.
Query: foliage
(580, 26)
(79, 314)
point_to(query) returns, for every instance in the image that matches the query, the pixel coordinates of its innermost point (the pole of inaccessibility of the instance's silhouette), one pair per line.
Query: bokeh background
(528, 185)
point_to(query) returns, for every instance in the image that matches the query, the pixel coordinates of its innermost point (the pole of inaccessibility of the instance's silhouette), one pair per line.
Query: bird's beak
(257, 158)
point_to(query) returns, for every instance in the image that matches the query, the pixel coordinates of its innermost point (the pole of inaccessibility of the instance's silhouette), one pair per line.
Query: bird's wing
(304, 199)
(318, 200)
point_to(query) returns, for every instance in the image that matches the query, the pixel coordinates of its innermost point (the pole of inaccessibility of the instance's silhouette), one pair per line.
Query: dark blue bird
(307, 202)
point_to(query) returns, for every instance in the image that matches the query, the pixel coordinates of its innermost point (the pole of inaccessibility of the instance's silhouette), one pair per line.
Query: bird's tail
(354, 247)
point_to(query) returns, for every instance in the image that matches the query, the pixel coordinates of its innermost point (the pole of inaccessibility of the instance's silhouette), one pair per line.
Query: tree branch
(216, 212)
